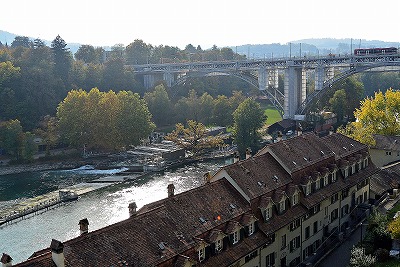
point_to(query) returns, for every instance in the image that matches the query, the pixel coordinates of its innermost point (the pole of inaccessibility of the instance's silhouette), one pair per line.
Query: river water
(102, 207)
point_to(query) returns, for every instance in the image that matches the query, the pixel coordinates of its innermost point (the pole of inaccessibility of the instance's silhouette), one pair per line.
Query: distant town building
(282, 207)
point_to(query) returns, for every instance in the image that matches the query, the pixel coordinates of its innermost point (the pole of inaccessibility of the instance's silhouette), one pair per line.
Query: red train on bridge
(375, 51)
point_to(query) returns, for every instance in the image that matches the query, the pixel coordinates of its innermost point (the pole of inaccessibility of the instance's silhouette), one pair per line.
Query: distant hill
(322, 46)
(317, 46)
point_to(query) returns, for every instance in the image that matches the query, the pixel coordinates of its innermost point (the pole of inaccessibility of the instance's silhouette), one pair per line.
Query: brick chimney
(84, 226)
(132, 209)
(57, 253)
(236, 157)
(248, 153)
(207, 177)
(171, 190)
(6, 260)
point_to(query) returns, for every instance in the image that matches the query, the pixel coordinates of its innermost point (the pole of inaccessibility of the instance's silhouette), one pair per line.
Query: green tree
(194, 138)
(62, 58)
(86, 53)
(248, 119)
(358, 258)
(138, 52)
(338, 102)
(394, 228)
(159, 105)
(22, 41)
(377, 115)
(101, 120)
(11, 138)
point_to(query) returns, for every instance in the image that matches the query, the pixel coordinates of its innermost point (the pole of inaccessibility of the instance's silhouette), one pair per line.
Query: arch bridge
(263, 74)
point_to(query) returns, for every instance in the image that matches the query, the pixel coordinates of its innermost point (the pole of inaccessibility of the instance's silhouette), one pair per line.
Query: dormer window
(251, 228)
(333, 176)
(317, 184)
(218, 245)
(235, 237)
(202, 254)
(267, 213)
(326, 180)
(308, 188)
(295, 198)
(282, 206)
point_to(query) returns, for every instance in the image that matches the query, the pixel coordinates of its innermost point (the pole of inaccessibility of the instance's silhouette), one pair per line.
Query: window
(268, 214)
(295, 198)
(308, 189)
(218, 245)
(294, 243)
(251, 228)
(283, 244)
(333, 176)
(282, 206)
(334, 198)
(334, 215)
(294, 225)
(317, 184)
(202, 252)
(388, 153)
(345, 193)
(307, 232)
(235, 237)
(326, 180)
(345, 210)
(315, 227)
(270, 260)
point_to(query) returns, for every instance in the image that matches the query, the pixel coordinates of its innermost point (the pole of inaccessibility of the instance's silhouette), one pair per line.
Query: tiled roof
(342, 145)
(164, 232)
(385, 179)
(258, 175)
(386, 142)
(279, 221)
(299, 152)
(235, 252)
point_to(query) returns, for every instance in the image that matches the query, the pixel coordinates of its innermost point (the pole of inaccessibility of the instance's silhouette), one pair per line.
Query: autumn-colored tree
(194, 138)
(394, 228)
(377, 115)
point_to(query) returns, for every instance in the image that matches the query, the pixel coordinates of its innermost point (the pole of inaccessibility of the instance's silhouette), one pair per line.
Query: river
(102, 207)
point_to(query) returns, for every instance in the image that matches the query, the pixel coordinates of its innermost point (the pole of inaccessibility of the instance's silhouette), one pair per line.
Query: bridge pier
(169, 78)
(262, 79)
(149, 81)
(295, 90)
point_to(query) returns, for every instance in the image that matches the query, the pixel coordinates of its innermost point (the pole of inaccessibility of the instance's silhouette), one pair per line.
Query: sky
(203, 22)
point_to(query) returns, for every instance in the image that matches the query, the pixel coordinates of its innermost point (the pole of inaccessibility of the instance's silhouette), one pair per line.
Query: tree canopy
(104, 120)
(377, 115)
(194, 137)
(248, 119)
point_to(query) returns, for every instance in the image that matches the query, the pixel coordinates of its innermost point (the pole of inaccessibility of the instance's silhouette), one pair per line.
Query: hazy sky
(204, 22)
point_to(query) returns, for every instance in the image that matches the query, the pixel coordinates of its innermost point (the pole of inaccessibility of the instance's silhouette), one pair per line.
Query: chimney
(331, 130)
(207, 177)
(299, 130)
(248, 153)
(132, 209)
(236, 158)
(279, 137)
(171, 190)
(84, 226)
(57, 253)
(6, 260)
